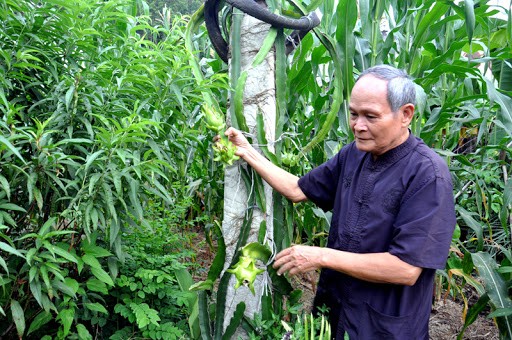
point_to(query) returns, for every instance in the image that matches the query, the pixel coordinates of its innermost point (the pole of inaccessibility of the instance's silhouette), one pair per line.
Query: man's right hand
(279, 179)
(238, 139)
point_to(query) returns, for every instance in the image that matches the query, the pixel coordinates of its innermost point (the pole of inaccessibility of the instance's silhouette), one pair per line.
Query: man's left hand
(298, 259)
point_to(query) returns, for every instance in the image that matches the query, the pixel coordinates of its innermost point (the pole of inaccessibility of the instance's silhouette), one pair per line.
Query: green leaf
(83, 333)
(36, 289)
(66, 316)
(95, 251)
(220, 257)
(69, 96)
(39, 321)
(474, 312)
(433, 14)
(470, 18)
(11, 206)
(201, 285)
(4, 265)
(11, 148)
(91, 261)
(96, 285)
(18, 316)
(91, 158)
(97, 307)
(144, 314)
(500, 312)
(69, 286)
(505, 103)
(495, 285)
(65, 254)
(473, 224)
(7, 248)
(102, 275)
(238, 101)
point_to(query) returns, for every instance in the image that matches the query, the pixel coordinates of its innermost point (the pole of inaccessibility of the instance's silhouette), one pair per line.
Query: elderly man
(393, 215)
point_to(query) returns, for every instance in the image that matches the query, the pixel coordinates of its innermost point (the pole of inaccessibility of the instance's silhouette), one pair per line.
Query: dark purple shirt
(401, 203)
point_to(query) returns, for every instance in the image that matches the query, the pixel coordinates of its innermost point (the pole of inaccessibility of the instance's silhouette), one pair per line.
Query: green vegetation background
(106, 169)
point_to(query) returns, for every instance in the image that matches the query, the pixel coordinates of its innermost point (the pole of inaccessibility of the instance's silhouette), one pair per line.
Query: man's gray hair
(401, 88)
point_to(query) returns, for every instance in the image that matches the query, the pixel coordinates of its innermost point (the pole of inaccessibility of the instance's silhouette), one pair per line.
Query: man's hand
(238, 139)
(298, 259)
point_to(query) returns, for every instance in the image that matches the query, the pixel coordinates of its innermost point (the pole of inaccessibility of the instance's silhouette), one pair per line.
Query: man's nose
(360, 124)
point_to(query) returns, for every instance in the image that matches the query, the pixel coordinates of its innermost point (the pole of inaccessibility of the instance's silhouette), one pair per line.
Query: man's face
(376, 128)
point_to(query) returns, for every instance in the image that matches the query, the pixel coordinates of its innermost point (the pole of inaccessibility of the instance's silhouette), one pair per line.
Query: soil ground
(445, 321)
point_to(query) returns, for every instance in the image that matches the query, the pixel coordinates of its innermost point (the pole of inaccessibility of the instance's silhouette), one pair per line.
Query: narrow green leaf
(280, 78)
(433, 14)
(95, 251)
(18, 316)
(500, 312)
(39, 321)
(473, 224)
(36, 289)
(495, 285)
(474, 312)
(505, 103)
(4, 265)
(92, 182)
(11, 206)
(11, 148)
(68, 287)
(470, 18)
(96, 285)
(91, 261)
(69, 96)
(102, 275)
(65, 254)
(5, 185)
(39, 198)
(9, 249)
(96, 307)
(235, 63)
(91, 158)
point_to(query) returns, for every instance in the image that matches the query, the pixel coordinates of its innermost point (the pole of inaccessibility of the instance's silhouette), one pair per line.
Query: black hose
(301, 25)
(251, 7)
(211, 20)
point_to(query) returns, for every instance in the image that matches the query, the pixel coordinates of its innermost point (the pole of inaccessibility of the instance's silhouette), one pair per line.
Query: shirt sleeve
(320, 184)
(425, 224)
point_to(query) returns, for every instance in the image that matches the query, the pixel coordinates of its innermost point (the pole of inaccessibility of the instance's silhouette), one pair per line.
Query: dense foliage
(99, 121)
(104, 160)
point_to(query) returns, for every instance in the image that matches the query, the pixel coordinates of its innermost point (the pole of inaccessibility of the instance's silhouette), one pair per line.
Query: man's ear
(408, 113)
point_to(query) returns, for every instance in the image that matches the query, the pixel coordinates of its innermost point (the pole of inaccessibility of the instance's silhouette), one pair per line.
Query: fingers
(231, 132)
(295, 260)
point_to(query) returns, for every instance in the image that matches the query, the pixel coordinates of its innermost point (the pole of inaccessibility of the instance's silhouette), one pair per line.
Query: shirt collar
(395, 154)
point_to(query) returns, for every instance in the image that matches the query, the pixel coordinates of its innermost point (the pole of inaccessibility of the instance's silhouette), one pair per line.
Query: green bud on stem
(214, 118)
